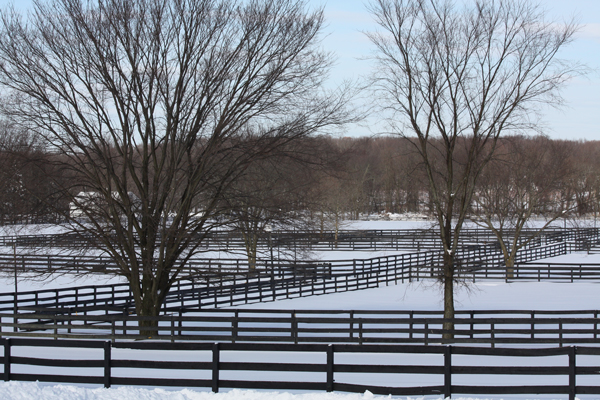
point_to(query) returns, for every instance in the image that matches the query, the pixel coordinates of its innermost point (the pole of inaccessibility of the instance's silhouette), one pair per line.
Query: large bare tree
(457, 76)
(157, 106)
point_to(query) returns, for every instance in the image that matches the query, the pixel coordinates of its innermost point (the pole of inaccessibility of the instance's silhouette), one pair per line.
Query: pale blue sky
(579, 119)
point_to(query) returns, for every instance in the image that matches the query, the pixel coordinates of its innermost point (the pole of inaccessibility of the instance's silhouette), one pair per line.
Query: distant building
(94, 200)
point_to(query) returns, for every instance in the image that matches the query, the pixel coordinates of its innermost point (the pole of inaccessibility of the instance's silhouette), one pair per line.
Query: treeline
(28, 193)
(385, 175)
(332, 179)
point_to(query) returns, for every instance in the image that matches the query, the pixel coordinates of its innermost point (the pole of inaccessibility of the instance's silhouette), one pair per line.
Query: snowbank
(31, 391)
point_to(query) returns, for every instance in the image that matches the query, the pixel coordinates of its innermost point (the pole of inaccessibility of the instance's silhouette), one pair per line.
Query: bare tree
(457, 77)
(522, 181)
(158, 106)
(580, 188)
(275, 193)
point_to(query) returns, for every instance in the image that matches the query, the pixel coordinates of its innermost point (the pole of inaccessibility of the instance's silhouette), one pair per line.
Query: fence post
(560, 334)
(215, 368)
(329, 386)
(351, 324)
(472, 323)
(360, 331)
(172, 329)
(410, 329)
(180, 322)
(7, 359)
(448, 371)
(596, 325)
(294, 328)
(107, 359)
(572, 370)
(113, 329)
(533, 324)
(571, 275)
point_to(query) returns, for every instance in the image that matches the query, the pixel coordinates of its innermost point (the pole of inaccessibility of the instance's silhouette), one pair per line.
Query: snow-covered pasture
(424, 295)
(421, 296)
(245, 358)
(37, 391)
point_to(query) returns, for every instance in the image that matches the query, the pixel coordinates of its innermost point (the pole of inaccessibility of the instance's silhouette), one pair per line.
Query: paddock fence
(233, 287)
(477, 327)
(470, 256)
(372, 239)
(399, 370)
(226, 285)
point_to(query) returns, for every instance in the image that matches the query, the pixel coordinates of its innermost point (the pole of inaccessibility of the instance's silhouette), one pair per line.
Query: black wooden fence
(446, 370)
(372, 239)
(481, 327)
(230, 289)
(469, 258)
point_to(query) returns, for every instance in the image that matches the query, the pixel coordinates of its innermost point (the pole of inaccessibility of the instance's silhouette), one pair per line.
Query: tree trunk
(336, 229)
(251, 237)
(448, 282)
(147, 308)
(251, 253)
(148, 303)
(509, 262)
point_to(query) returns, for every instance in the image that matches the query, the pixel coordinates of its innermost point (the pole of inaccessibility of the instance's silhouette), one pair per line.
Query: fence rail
(372, 239)
(482, 327)
(222, 286)
(470, 257)
(334, 367)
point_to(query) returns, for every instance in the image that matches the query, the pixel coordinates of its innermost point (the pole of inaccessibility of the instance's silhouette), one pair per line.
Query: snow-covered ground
(482, 295)
(35, 391)
(398, 221)
(424, 295)
(413, 296)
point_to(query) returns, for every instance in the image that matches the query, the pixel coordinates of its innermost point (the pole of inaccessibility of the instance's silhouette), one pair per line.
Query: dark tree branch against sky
(579, 119)
(158, 106)
(456, 78)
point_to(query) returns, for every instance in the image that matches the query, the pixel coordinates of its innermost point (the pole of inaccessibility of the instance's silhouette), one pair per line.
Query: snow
(411, 296)
(35, 391)
(481, 295)
(398, 221)
(32, 229)
(28, 282)
(423, 295)
(426, 295)
(384, 225)
(337, 255)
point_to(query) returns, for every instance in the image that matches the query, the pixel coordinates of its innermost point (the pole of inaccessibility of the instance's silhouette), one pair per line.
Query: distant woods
(26, 195)
(333, 179)
(384, 175)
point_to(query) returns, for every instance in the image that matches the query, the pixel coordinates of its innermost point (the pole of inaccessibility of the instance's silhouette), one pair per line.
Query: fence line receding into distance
(336, 367)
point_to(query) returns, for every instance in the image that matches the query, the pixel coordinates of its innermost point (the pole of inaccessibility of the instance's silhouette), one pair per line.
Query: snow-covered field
(424, 295)
(35, 391)
(414, 296)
